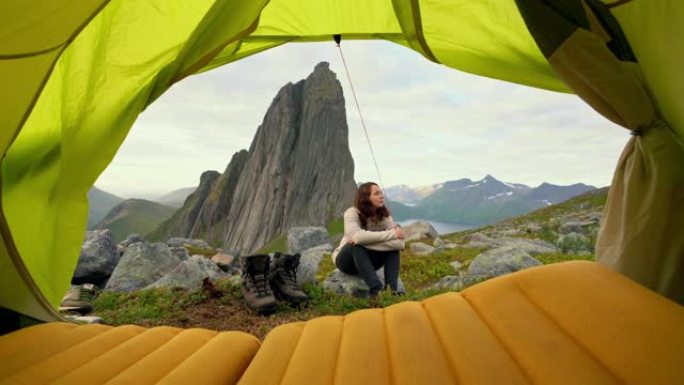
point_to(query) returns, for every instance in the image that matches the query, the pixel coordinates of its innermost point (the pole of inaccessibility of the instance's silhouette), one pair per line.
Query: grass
(278, 243)
(207, 252)
(336, 226)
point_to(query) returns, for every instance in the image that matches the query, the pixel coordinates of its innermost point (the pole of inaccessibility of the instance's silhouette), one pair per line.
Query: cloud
(427, 123)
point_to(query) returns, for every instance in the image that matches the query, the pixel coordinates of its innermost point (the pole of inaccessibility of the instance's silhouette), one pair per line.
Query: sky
(427, 123)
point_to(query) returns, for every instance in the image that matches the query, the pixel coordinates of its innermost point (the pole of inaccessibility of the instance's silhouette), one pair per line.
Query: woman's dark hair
(366, 209)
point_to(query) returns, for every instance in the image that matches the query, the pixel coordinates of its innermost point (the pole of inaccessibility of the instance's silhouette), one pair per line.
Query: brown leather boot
(255, 290)
(283, 279)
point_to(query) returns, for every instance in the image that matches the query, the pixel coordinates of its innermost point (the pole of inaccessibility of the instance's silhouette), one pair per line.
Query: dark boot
(283, 279)
(255, 290)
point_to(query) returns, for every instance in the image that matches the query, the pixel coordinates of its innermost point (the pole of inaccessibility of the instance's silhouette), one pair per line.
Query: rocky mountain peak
(297, 172)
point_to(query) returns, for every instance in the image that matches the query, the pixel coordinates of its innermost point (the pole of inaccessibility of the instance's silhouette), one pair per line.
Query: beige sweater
(378, 236)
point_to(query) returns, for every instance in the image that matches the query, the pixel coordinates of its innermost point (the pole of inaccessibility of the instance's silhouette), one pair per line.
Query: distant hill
(135, 216)
(479, 202)
(176, 198)
(99, 204)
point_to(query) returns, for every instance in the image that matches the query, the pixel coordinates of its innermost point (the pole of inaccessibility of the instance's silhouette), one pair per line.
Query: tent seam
(454, 372)
(567, 333)
(79, 344)
(498, 338)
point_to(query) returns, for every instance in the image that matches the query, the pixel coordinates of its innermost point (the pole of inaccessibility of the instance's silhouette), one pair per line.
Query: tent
(75, 75)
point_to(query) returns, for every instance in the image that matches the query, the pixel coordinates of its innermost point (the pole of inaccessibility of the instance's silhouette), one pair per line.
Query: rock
(419, 230)
(309, 263)
(574, 243)
(180, 252)
(452, 246)
(130, 239)
(189, 274)
(594, 216)
(496, 262)
(298, 171)
(457, 265)
(531, 246)
(341, 283)
(480, 241)
(98, 258)
(532, 228)
(300, 239)
(141, 265)
(438, 242)
(450, 282)
(180, 242)
(225, 262)
(575, 227)
(510, 233)
(422, 249)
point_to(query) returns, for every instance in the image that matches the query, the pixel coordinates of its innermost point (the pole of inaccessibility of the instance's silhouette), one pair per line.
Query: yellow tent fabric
(119, 56)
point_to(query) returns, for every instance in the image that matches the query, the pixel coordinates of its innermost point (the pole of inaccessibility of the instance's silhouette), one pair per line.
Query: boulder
(179, 242)
(480, 241)
(419, 230)
(300, 239)
(531, 246)
(576, 227)
(98, 258)
(225, 262)
(457, 265)
(180, 252)
(421, 249)
(131, 239)
(189, 274)
(142, 264)
(496, 262)
(438, 242)
(449, 282)
(574, 243)
(341, 283)
(310, 261)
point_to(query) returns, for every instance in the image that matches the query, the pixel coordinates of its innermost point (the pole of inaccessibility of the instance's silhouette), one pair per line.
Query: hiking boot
(283, 279)
(255, 290)
(79, 299)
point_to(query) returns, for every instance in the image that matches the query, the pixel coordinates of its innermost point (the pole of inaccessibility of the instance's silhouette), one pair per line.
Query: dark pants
(356, 259)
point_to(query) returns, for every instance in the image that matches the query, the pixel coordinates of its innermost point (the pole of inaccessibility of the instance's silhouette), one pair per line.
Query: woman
(371, 240)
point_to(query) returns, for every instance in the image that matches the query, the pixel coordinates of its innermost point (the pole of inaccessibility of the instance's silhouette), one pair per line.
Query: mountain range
(475, 202)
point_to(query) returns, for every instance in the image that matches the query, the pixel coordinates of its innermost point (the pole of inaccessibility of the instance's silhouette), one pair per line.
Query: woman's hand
(399, 232)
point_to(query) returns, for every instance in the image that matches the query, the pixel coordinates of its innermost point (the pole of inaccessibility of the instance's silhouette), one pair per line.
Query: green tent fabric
(641, 233)
(76, 103)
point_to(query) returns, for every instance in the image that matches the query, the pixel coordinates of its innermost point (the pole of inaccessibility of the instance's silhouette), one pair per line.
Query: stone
(421, 249)
(497, 262)
(180, 252)
(353, 285)
(309, 263)
(457, 265)
(225, 262)
(449, 282)
(98, 258)
(189, 274)
(574, 243)
(575, 227)
(438, 242)
(300, 239)
(179, 242)
(130, 239)
(419, 230)
(142, 264)
(531, 246)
